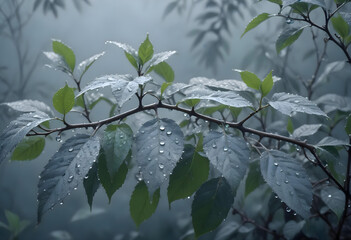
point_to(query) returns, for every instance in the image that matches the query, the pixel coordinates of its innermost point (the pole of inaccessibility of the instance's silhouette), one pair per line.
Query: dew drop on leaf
(169, 132)
(70, 149)
(161, 166)
(162, 143)
(162, 128)
(288, 209)
(276, 164)
(70, 179)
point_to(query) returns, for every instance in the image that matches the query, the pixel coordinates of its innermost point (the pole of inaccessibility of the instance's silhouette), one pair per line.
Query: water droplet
(162, 128)
(70, 179)
(150, 172)
(119, 89)
(75, 188)
(176, 141)
(44, 190)
(276, 164)
(149, 159)
(161, 151)
(276, 197)
(278, 183)
(121, 136)
(329, 196)
(169, 133)
(236, 166)
(39, 176)
(58, 138)
(86, 177)
(214, 145)
(139, 176)
(70, 149)
(142, 131)
(61, 203)
(295, 214)
(288, 209)
(286, 181)
(164, 175)
(297, 174)
(162, 143)
(296, 101)
(188, 197)
(161, 166)
(225, 149)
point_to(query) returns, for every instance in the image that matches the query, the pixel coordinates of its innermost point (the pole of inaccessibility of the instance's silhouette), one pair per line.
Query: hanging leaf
(110, 183)
(211, 205)
(86, 64)
(256, 21)
(66, 170)
(29, 148)
(288, 37)
(29, 106)
(117, 142)
(188, 175)
(334, 199)
(17, 130)
(306, 130)
(158, 147)
(63, 50)
(146, 51)
(230, 155)
(91, 184)
(63, 100)
(141, 206)
(287, 104)
(288, 179)
(340, 26)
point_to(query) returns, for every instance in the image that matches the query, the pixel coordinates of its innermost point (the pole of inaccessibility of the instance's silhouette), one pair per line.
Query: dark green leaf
(117, 142)
(17, 130)
(340, 26)
(230, 155)
(279, 2)
(63, 100)
(250, 79)
(146, 51)
(158, 147)
(334, 199)
(288, 179)
(61, 49)
(188, 175)
(110, 184)
(348, 125)
(290, 126)
(91, 183)
(165, 71)
(306, 130)
(288, 37)
(29, 148)
(141, 206)
(256, 21)
(211, 205)
(267, 84)
(132, 60)
(66, 170)
(287, 104)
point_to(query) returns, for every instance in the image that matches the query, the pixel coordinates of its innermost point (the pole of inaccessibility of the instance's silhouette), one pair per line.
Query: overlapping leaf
(29, 148)
(288, 179)
(18, 129)
(230, 155)
(288, 37)
(29, 106)
(158, 147)
(66, 170)
(91, 183)
(334, 199)
(334, 102)
(306, 130)
(86, 64)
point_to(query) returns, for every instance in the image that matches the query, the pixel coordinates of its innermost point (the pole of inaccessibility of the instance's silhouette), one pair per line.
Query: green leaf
(141, 206)
(188, 175)
(292, 228)
(86, 64)
(211, 205)
(334, 199)
(340, 26)
(68, 55)
(146, 51)
(287, 104)
(158, 147)
(267, 84)
(63, 100)
(132, 60)
(110, 184)
(279, 2)
(117, 142)
(30, 148)
(15, 225)
(66, 170)
(313, 2)
(165, 71)
(250, 79)
(288, 179)
(348, 125)
(288, 37)
(253, 179)
(164, 86)
(256, 21)
(91, 184)
(306, 130)
(290, 126)
(230, 155)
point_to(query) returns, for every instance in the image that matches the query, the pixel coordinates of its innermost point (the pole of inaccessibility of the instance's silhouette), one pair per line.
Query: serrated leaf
(29, 106)
(334, 199)
(306, 130)
(253, 179)
(158, 147)
(222, 85)
(211, 205)
(288, 37)
(334, 102)
(256, 21)
(160, 57)
(91, 184)
(165, 71)
(117, 142)
(287, 104)
(348, 125)
(267, 84)
(110, 183)
(226, 98)
(340, 26)
(250, 79)
(330, 141)
(230, 155)
(63, 100)
(188, 175)
(17, 130)
(63, 50)
(146, 51)
(66, 170)
(292, 228)
(86, 64)
(141, 206)
(29, 148)
(288, 179)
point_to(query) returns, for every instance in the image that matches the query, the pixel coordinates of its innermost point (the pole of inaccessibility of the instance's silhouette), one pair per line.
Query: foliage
(228, 167)
(53, 5)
